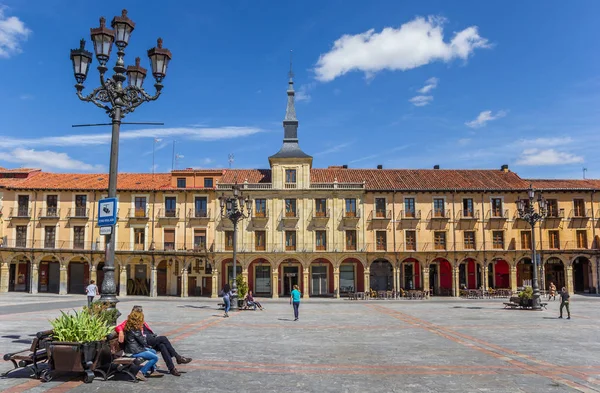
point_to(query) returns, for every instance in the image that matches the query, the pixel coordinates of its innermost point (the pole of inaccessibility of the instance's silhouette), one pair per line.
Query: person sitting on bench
(158, 343)
(253, 303)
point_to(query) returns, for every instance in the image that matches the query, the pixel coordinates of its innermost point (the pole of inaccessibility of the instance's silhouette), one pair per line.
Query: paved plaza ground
(438, 345)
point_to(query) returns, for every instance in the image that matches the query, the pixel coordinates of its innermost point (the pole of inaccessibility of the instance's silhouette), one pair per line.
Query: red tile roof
(76, 181)
(253, 176)
(18, 170)
(374, 179)
(564, 184)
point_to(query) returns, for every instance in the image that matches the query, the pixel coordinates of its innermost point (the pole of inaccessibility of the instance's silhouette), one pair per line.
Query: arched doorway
(411, 276)
(321, 278)
(382, 275)
(501, 274)
(290, 271)
(525, 273)
(259, 277)
(440, 277)
(19, 274)
(78, 276)
(49, 275)
(581, 274)
(555, 272)
(352, 276)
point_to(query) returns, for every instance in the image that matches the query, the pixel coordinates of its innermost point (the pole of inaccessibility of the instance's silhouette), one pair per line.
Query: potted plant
(242, 290)
(526, 297)
(78, 340)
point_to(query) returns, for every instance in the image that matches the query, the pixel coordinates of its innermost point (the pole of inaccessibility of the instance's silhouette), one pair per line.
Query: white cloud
(421, 100)
(484, 117)
(537, 157)
(12, 32)
(195, 133)
(545, 142)
(413, 44)
(334, 149)
(430, 84)
(26, 97)
(47, 159)
(464, 141)
(303, 93)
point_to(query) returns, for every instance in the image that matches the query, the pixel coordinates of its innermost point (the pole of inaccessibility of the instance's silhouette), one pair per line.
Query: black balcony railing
(49, 213)
(168, 213)
(260, 214)
(78, 212)
(380, 215)
(409, 215)
(199, 213)
(137, 212)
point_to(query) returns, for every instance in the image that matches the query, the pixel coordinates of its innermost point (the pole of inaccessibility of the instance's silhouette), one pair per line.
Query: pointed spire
(290, 148)
(290, 112)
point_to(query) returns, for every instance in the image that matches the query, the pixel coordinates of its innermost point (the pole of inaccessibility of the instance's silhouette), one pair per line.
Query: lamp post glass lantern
(235, 208)
(527, 212)
(117, 100)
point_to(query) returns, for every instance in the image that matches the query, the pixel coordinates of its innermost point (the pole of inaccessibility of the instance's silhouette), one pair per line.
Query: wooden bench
(31, 357)
(116, 362)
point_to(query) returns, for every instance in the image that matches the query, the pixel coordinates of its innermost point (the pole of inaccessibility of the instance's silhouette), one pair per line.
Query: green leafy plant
(527, 293)
(103, 311)
(242, 287)
(80, 327)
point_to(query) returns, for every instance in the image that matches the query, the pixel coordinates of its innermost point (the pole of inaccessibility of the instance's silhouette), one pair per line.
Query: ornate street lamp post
(117, 100)
(528, 213)
(232, 207)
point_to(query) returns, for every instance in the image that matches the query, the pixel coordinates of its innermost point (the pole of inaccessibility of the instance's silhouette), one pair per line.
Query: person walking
(91, 291)
(227, 295)
(295, 301)
(552, 292)
(564, 302)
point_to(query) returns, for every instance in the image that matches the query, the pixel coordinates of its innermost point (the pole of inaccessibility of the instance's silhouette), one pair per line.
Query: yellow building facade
(333, 231)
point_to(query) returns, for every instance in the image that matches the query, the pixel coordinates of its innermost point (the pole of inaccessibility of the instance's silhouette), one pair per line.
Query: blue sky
(405, 84)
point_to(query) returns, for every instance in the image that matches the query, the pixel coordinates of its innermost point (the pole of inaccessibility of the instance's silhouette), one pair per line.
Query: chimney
(504, 168)
(344, 166)
(436, 167)
(379, 166)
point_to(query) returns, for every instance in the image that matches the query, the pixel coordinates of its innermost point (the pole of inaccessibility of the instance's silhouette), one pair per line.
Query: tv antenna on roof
(584, 171)
(231, 159)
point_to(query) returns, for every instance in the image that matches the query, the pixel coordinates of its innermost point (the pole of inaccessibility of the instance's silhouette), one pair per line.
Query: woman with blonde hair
(136, 344)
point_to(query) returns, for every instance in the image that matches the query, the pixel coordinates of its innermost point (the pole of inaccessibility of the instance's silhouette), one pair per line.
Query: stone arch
(43, 256)
(137, 259)
(48, 273)
(577, 256)
(78, 258)
(21, 280)
(343, 257)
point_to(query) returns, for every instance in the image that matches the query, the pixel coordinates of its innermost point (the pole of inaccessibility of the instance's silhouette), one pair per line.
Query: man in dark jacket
(158, 343)
(564, 302)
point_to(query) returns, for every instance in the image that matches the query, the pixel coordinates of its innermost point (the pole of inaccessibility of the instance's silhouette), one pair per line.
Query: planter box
(74, 358)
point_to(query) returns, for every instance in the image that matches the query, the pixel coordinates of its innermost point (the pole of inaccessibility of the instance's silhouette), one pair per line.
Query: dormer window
(290, 176)
(181, 183)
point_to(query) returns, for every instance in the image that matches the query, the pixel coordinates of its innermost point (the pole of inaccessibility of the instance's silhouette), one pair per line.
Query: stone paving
(438, 345)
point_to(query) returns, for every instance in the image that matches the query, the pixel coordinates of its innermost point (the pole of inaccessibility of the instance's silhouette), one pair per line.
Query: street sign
(107, 212)
(106, 230)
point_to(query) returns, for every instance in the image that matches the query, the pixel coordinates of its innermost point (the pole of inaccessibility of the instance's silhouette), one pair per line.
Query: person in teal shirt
(295, 301)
